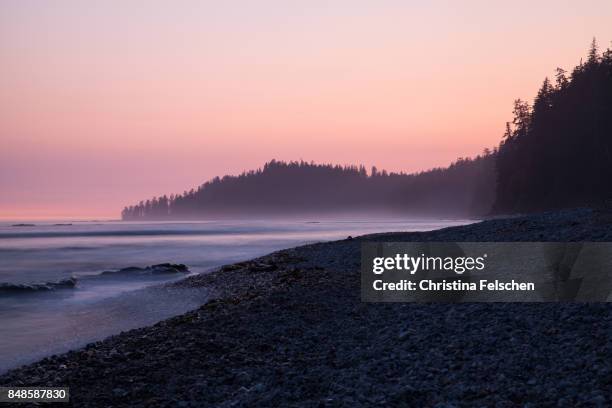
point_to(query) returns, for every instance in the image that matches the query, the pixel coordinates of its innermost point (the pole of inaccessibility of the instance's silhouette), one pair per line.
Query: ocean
(64, 284)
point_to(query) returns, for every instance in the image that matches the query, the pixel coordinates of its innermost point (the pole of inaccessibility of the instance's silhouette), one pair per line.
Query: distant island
(555, 153)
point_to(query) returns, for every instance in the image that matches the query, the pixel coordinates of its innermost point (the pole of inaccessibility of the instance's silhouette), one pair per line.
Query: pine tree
(593, 53)
(561, 78)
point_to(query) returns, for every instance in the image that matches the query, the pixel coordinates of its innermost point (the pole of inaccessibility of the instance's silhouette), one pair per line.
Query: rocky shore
(289, 329)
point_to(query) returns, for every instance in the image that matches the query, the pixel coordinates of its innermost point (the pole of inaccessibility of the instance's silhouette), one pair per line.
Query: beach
(289, 329)
(64, 286)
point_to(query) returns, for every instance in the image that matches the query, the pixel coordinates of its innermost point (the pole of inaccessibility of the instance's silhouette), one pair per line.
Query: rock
(263, 267)
(259, 387)
(168, 268)
(165, 268)
(243, 378)
(404, 334)
(598, 401)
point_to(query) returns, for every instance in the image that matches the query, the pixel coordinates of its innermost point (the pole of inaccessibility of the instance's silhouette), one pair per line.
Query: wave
(30, 251)
(71, 283)
(14, 288)
(133, 233)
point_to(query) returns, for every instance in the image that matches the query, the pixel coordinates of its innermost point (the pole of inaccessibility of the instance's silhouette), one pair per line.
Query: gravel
(289, 329)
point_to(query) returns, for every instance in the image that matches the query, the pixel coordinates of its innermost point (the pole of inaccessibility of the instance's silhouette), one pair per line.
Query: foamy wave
(70, 283)
(6, 287)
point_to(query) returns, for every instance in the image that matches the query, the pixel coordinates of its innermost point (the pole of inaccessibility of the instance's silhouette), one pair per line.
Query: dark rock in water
(129, 269)
(61, 225)
(165, 268)
(37, 287)
(24, 225)
(66, 283)
(168, 268)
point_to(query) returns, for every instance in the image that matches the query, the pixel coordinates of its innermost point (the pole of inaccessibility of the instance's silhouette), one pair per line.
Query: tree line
(555, 153)
(286, 188)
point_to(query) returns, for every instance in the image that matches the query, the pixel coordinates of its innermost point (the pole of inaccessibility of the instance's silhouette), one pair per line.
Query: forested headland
(288, 188)
(555, 153)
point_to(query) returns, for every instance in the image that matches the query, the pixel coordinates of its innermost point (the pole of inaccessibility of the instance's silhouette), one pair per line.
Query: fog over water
(36, 323)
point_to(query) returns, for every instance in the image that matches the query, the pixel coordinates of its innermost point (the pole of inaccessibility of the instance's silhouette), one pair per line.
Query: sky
(105, 103)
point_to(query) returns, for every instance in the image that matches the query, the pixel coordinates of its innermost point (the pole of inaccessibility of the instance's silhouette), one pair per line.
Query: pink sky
(106, 103)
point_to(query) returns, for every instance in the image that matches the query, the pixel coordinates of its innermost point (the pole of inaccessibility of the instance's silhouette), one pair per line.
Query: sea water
(38, 323)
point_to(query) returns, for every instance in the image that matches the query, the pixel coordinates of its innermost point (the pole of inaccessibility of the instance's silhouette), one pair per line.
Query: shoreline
(289, 328)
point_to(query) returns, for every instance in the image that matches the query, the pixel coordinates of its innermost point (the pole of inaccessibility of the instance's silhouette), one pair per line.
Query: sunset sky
(104, 103)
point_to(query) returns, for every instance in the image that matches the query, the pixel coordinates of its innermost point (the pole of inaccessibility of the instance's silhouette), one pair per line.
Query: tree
(561, 78)
(593, 53)
(544, 98)
(522, 117)
(508, 133)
